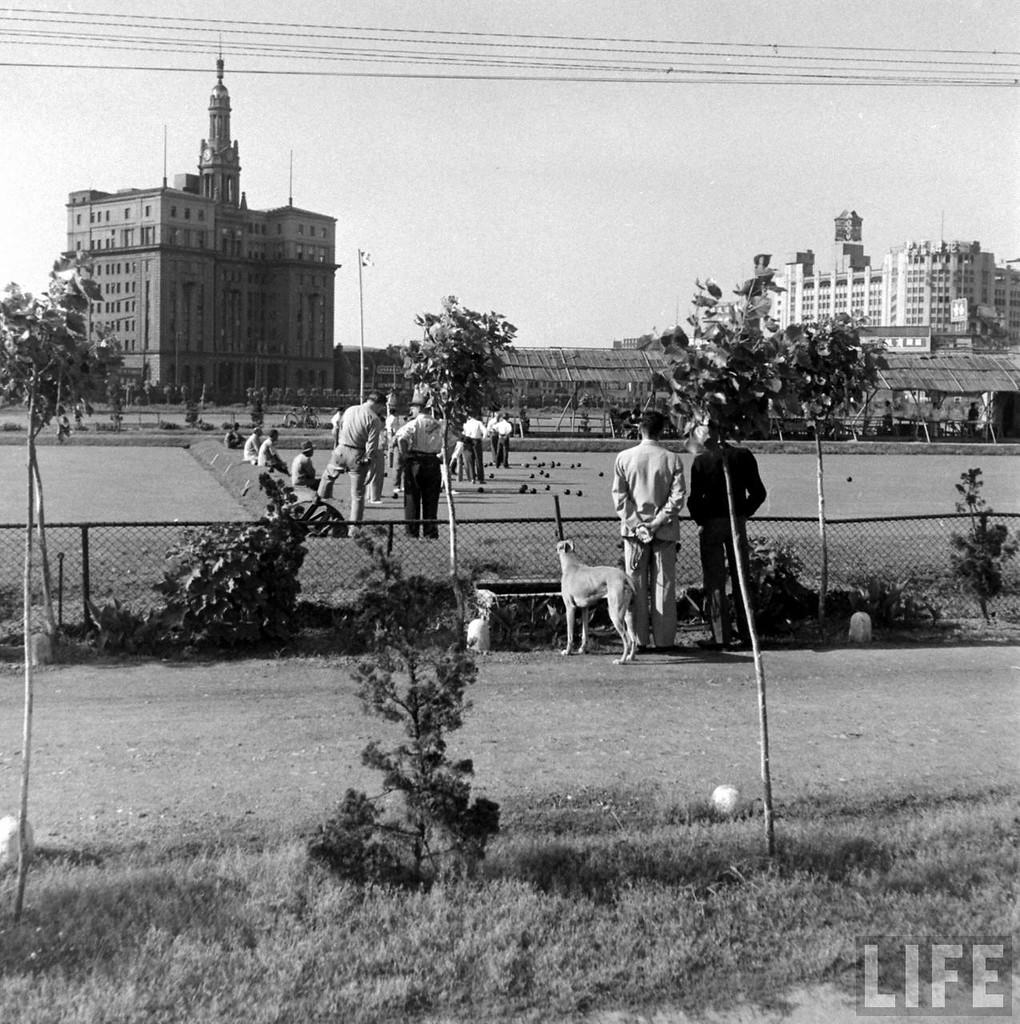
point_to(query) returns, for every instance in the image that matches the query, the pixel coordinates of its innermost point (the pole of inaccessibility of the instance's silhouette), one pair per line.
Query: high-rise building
(204, 292)
(946, 287)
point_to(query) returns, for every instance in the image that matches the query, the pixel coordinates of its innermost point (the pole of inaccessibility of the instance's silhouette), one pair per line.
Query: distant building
(200, 290)
(948, 288)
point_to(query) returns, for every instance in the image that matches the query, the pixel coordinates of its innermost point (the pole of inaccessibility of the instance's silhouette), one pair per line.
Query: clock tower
(219, 165)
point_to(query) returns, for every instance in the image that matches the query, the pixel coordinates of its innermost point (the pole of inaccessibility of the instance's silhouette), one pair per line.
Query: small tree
(47, 358)
(415, 675)
(829, 368)
(725, 377)
(979, 556)
(458, 361)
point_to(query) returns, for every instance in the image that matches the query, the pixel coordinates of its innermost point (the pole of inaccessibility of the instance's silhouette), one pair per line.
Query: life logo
(958, 976)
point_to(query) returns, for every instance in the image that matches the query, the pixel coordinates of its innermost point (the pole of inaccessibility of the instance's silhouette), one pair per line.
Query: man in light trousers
(359, 440)
(648, 491)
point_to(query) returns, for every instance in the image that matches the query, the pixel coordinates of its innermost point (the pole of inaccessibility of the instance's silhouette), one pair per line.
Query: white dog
(583, 586)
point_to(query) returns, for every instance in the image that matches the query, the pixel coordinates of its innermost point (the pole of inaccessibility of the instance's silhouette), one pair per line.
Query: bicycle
(306, 420)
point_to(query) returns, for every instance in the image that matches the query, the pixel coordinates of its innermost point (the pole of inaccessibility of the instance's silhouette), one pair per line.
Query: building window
(173, 211)
(127, 214)
(148, 211)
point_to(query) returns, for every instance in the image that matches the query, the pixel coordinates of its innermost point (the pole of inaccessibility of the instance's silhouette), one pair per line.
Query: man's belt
(423, 455)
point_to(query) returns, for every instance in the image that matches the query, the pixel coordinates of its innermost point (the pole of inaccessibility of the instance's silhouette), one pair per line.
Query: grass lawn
(125, 483)
(171, 884)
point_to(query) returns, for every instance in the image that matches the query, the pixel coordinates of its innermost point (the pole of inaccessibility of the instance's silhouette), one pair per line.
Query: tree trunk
(26, 740)
(451, 513)
(759, 671)
(47, 584)
(823, 587)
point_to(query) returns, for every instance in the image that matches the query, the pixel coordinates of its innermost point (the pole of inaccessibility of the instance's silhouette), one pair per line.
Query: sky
(581, 209)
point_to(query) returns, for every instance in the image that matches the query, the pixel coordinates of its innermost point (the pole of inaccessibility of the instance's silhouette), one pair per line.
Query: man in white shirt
(252, 445)
(268, 456)
(334, 424)
(474, 457)
(420, 440)
(503, 430)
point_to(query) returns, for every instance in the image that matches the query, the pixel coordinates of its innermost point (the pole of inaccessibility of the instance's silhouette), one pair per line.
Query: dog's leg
(628, 621)
(571, 612)
(585, 612)
(616, 613)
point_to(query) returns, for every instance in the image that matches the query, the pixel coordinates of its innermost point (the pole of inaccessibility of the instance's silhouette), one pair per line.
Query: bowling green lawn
(170, 800)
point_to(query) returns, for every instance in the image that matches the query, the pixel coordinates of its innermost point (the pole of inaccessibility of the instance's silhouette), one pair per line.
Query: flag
(366, 259)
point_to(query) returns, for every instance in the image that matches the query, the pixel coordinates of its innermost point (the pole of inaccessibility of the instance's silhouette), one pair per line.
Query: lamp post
(364, 260)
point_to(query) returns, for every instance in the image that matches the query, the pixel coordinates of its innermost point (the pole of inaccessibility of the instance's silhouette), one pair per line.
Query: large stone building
(950, 288)
(204, 292)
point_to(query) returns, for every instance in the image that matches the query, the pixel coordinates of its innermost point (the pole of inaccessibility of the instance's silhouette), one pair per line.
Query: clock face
(207, 153)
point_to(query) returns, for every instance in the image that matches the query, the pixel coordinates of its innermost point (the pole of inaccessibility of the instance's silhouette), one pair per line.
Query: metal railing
(123, 561)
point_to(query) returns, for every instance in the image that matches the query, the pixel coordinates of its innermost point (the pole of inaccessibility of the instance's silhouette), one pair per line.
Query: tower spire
(219, 163)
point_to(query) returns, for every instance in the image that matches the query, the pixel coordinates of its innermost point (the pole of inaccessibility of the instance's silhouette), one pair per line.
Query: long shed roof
(581, 365)
(955, 372)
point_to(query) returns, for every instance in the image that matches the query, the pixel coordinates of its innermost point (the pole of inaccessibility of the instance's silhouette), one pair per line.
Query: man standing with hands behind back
(648, 490)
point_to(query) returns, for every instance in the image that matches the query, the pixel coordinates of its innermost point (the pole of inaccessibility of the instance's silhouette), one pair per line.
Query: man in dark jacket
(709, 508)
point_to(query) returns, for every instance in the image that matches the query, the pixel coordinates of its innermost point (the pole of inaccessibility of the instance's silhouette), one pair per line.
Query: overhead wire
(528, 61)
(121, 15)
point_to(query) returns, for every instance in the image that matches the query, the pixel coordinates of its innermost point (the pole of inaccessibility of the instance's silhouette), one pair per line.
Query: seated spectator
(232, 438)
(302, 471)
(268, 457)
(252, 446)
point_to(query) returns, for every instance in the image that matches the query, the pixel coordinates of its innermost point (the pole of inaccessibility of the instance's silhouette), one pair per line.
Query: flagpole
(361, 313)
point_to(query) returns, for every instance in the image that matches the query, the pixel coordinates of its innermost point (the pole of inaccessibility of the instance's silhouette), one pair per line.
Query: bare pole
(361, 315)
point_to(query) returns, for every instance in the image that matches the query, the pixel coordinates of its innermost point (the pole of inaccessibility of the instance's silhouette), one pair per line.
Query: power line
(148, 44)
(714, 78)
(307, 52)
(774, 46)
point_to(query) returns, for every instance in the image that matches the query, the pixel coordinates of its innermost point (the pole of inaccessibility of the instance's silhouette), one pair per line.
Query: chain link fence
(124, 561)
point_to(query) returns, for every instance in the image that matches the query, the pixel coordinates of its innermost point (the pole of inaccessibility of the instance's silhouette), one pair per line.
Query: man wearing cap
(648, 491)
(355, 450)
(709, 507)
(252, 445)
(503, 430)
(302, 471)
(420, 441)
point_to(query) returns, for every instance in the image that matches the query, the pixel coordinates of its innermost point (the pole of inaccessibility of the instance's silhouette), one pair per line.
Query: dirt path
(265, 746)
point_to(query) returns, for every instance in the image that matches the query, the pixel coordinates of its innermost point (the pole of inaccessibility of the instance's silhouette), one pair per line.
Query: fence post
(389, 538)
(85, 582)
(559, 518)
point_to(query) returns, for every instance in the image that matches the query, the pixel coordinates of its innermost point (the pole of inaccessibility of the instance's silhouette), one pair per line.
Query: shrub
(889, 604)
(116, 627)
(237, 583)
(979, 556)
(415, 675)
(780, 599)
